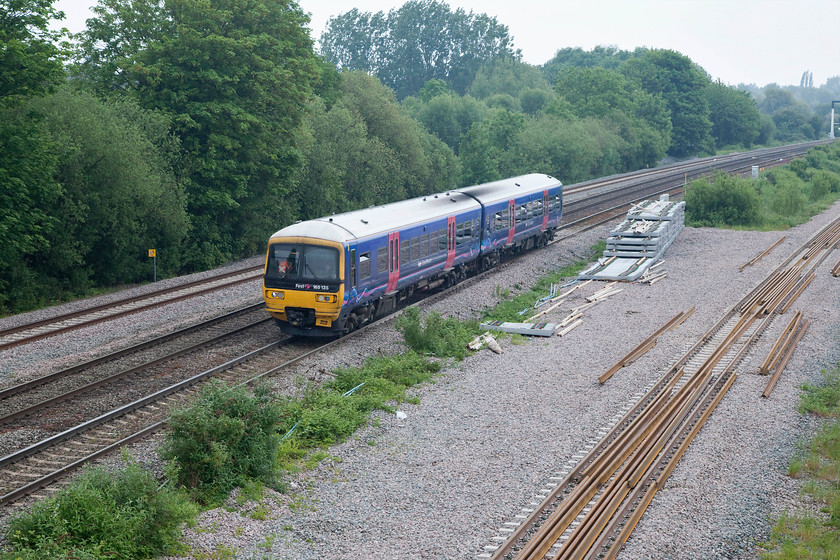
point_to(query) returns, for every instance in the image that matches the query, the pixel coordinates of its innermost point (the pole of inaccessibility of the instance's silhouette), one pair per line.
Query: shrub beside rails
(331, 275)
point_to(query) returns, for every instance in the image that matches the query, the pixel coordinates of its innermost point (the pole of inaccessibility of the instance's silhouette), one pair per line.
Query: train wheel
(353, 323)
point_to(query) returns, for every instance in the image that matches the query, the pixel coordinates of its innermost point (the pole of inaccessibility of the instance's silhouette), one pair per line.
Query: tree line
(200, 128)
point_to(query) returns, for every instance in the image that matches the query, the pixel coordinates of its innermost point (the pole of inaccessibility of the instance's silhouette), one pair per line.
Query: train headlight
(275, 295)
(322, 298)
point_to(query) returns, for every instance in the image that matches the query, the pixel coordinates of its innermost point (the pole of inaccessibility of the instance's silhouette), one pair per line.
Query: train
(329, 276)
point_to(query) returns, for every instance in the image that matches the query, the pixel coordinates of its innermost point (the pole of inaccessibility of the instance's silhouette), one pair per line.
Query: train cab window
(382, 259)
(295, 262)
(424, 245)
(405, 253)
(364, 265)
(415, 248)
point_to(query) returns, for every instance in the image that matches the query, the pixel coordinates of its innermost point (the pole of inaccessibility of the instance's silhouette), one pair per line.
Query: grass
(514, 303)
(798, 536)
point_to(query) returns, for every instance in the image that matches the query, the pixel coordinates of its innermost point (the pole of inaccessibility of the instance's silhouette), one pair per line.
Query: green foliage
(507, 76)
(235, 108)
(364, 150)
(725, 201)
(328, 414)
(510, 308)
(681, 83)
(226, 438)
(435, 335)
(804, 536)
(101, 515)
(30, 60)
(417, 42)
(121, 195)
(783, 197)
(734, 115)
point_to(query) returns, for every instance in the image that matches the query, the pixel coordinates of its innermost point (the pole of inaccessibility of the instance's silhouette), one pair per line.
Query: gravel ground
(492, 429)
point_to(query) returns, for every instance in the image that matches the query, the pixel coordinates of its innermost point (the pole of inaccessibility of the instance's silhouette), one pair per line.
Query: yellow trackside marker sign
(152, 252)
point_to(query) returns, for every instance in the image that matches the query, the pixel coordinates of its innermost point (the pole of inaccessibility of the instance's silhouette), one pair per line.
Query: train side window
(499, 220)
(364, 265)
(459, 235)
(468, 227)
(521, 213)
(352, 268)
(442, 240)
(415, 248)
(405, 253)
(433, 243)
(424, 245)
(382, 259)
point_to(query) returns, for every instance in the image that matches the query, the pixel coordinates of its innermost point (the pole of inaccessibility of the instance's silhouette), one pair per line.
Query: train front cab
(303, 285)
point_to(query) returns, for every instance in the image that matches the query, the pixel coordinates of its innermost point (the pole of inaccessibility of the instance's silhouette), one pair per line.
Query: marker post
(153, 255)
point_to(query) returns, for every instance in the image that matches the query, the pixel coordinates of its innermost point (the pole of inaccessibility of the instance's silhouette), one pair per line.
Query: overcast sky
(736, 41)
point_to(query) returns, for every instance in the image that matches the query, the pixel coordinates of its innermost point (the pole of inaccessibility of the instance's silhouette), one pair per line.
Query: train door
(511, 220)
(353, 271)
(393, 261)
(450, 241)
(545, 210)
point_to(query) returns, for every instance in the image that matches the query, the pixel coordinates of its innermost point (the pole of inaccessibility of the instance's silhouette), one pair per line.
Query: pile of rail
(639, 241)
(594, 509)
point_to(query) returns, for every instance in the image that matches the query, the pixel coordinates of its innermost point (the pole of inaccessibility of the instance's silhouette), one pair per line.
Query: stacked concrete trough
(639, 241)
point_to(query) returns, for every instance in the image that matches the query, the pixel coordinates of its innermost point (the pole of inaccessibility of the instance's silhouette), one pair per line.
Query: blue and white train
(329, 276)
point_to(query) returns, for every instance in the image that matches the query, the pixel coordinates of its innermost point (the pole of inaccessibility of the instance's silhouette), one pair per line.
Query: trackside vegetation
(102, 515)
(780, 198)
(236, 437)
(816, 535)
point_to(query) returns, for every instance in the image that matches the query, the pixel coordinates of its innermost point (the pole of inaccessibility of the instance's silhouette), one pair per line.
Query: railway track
(600, 496)
(37, 466)
(37, 330)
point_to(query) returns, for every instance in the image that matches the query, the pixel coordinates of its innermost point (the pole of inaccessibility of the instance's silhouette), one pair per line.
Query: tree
(506, 75)
(447, 116)
(30, 66)
(365, 151)
(609, 57)
(234, 76)
(420, 41)
(734, 115)
(681, 83)
(30, 61)
(642, 120)
(120, 197)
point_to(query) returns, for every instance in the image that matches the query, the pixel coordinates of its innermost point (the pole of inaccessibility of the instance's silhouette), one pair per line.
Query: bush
(228, 437)
(328, 414)
(724, 201)
(101, 515)
(436, 335)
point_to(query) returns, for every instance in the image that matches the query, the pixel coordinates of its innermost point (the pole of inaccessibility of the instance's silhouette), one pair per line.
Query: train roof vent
(364, 221)
(517, 184)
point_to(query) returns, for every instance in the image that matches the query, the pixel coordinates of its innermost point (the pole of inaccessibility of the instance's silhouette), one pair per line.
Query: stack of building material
(639, 241)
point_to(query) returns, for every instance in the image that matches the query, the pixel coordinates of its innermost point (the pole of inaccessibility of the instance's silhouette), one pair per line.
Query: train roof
(506, 189)
(377, 220)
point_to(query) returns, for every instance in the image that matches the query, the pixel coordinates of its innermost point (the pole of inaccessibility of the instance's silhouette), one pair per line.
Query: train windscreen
(299, 263)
